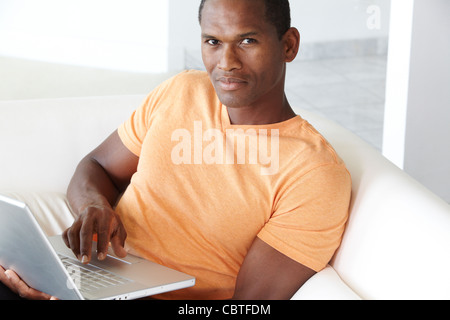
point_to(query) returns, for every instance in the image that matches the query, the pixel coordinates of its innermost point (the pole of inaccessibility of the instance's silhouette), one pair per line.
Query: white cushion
(51, 210)
(325, 285)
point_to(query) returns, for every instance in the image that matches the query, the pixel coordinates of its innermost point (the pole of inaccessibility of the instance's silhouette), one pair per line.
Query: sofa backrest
(42, 141)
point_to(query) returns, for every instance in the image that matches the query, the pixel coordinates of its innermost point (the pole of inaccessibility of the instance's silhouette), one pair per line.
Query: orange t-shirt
(204, 188)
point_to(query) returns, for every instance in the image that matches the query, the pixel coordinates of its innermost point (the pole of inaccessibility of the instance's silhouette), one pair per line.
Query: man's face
(242, 52)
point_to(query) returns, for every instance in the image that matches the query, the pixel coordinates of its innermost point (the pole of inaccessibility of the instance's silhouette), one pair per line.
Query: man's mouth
(230, 83)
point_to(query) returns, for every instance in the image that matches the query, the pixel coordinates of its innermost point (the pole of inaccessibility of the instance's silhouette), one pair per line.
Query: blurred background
(360, 63)
(60, 48)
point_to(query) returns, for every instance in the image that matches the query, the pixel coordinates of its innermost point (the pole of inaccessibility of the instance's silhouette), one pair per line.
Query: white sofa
(397, 241)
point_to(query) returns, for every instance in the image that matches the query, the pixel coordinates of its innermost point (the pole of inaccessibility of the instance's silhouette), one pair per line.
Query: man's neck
(267, 113)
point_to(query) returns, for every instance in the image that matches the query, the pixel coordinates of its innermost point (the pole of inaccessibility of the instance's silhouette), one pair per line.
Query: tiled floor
(350, 91)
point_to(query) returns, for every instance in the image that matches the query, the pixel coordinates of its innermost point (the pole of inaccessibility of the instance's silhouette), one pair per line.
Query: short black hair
(278, 12)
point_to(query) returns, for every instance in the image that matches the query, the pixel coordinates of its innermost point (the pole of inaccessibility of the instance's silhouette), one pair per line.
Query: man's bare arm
(267, 274)
(98, 181)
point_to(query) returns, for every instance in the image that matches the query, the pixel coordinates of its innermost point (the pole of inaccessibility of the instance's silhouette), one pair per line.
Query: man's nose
(229, 59)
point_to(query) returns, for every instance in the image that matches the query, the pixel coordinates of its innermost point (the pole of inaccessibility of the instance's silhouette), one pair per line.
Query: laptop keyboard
(90, 278)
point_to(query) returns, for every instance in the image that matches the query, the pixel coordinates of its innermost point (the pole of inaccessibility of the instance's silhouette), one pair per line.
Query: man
(215, 175)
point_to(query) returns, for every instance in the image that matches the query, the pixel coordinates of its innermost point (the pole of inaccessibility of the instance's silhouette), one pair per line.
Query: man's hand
(100, 220)
(99, 180)
(10, 279)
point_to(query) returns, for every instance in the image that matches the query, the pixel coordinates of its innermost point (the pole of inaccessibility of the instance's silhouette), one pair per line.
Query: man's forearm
(91, 187)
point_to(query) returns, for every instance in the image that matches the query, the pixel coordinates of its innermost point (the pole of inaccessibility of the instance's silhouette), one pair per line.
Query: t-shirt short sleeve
(310, 216)
(133, 131)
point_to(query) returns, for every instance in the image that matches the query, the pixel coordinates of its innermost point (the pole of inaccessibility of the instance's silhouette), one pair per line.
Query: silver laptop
(47, 265)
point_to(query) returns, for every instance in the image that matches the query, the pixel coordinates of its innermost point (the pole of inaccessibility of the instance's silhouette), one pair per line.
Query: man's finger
(118, 240)
(73, 238)
(86, 234)
(23, 290)
(66, 238)
(103, 238)
(118, 246)
(5, 279)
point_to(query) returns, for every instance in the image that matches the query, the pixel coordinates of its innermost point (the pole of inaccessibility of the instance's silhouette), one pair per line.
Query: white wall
(337, 20)
(153, 35)
(184, 31)
(112, 34)
(417, 116)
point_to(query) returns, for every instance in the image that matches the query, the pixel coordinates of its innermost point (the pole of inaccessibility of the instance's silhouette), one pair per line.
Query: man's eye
(213, 42)
(248, 41)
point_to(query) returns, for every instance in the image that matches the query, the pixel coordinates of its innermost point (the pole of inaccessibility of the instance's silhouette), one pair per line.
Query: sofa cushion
(51, 210)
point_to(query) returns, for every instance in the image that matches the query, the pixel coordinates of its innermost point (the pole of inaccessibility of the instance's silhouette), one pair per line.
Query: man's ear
(291, 41)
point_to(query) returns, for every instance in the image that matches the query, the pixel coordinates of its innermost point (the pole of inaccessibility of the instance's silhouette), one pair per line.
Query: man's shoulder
(311, 146)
